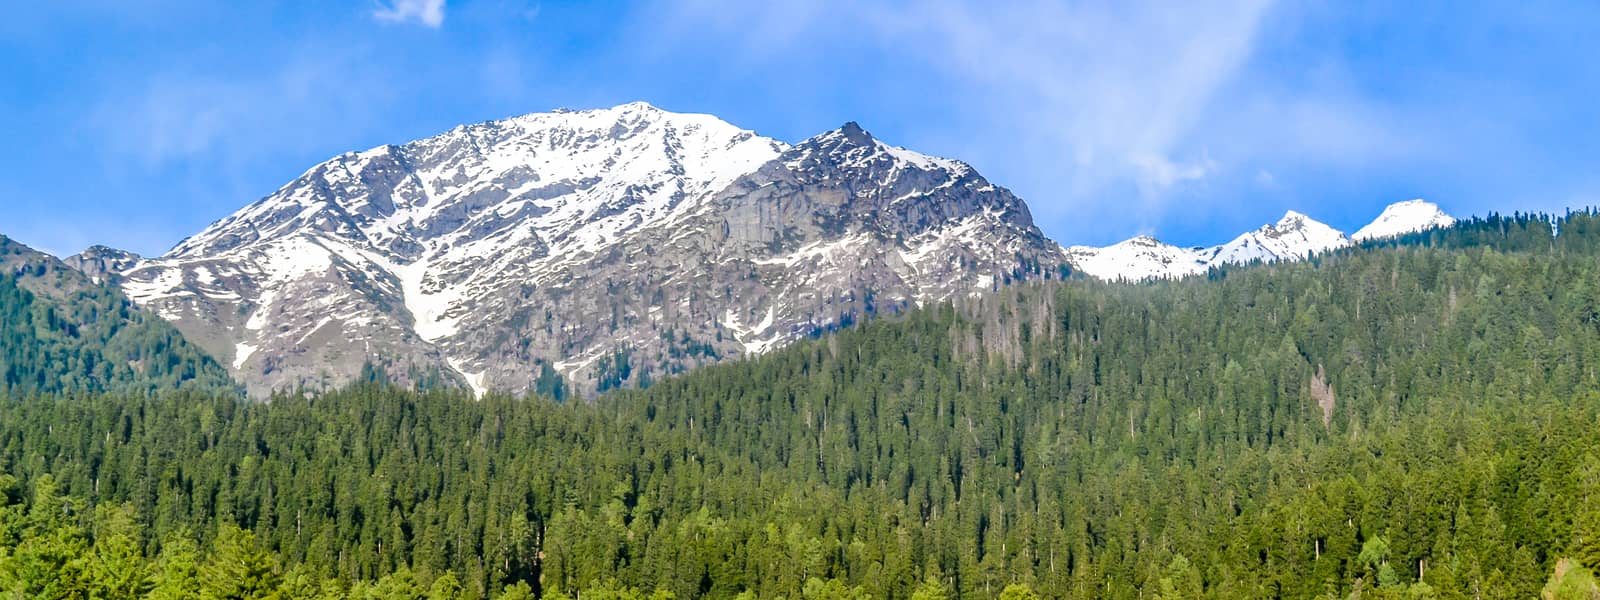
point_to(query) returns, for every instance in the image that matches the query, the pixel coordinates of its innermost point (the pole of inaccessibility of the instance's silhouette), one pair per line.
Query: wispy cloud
(1158, 172)
(216, 140)
(1071, 100)
(1116, 87)
(429, 13)
(177, 115)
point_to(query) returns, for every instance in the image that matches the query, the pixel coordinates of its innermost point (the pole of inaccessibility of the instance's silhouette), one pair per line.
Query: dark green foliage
(1411, 419)
(551, 384)
(614, 369)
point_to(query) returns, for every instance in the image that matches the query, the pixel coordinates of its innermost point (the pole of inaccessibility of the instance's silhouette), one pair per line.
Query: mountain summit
(1404, 217)
(580, 250)
(1292, 237)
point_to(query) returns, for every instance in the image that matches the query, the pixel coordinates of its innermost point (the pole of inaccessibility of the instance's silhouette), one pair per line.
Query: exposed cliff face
(837, 228)
(103, 264)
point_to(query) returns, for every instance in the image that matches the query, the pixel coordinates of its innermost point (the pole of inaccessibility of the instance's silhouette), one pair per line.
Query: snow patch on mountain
(241, 353)
(475, 379)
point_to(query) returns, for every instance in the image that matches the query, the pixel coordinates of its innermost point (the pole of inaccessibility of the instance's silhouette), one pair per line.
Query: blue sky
(134, 124)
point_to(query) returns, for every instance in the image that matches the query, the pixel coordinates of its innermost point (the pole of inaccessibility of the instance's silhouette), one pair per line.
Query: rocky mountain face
(1293, 237)
(103, 264)
(578, 251)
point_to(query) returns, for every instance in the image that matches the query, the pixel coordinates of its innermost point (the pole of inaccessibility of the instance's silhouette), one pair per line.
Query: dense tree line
(1408, 419)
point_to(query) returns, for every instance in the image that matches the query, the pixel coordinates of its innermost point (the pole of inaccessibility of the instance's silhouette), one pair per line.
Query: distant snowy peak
(1137, 259)
(1405, 217)
(1293, 237)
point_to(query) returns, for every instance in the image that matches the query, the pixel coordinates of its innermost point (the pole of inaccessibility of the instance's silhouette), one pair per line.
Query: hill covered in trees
(1411, 418)
(62, 331)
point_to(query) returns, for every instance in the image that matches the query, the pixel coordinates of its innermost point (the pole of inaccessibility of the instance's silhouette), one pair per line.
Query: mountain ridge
(1293, 237)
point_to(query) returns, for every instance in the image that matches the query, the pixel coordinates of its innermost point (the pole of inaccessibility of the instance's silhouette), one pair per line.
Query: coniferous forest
(1416, 418)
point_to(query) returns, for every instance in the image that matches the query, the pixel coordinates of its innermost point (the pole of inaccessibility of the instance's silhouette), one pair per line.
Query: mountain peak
(1292, 237)
(557, 182)
(1404, 217)
(1137, 258)
(636, 105)
(101, 250)
(845, 137)
(1296, 222)
(851, 145)
(636, 109)
(103, 263)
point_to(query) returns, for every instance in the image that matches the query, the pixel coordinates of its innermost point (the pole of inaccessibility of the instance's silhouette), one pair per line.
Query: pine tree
(238, 568)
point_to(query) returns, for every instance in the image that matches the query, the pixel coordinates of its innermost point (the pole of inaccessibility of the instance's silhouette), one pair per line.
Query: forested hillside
(61, 331)
(1407, 419)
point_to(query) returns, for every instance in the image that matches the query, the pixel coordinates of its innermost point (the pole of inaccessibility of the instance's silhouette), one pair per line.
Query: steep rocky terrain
(586, 249)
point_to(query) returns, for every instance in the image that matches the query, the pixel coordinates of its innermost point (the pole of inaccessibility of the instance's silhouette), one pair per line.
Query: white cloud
(1159, 172)
(429, 13)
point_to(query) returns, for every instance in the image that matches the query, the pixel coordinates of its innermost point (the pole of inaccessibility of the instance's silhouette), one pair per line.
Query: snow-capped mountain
(1404, 217)
(604, 246)
(1137, 259)
(1293, 237)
